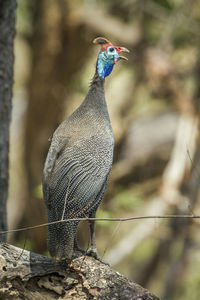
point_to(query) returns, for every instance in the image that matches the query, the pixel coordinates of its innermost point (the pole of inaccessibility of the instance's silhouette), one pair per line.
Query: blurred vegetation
(153, 101)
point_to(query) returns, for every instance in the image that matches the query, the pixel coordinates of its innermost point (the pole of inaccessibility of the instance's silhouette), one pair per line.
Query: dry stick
(17, 259)
(66, 196)
(188, 153)
(104, 219)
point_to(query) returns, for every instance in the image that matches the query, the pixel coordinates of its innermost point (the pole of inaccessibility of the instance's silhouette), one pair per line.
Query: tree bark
(29, 275)
(7, 32)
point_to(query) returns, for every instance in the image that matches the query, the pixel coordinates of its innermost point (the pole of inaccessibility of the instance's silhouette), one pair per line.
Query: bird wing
(75, 177)
(55, 150)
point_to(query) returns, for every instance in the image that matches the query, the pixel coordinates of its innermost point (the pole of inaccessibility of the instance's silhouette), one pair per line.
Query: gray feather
(77, 168)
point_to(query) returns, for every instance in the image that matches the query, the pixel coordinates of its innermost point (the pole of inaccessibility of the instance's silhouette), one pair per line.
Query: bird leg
(77, 250)
(93, 247)
(92, 251)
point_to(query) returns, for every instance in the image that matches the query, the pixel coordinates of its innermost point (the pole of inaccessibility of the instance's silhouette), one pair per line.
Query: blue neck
(104, 64)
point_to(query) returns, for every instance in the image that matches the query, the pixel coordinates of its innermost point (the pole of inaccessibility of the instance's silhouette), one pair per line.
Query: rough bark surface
(7, 32)
(27, 275)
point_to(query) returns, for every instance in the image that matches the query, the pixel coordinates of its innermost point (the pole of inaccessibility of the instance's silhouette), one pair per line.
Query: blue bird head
(108, 56)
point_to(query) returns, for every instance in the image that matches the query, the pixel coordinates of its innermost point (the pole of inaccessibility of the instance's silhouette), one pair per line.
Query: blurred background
(153, 100)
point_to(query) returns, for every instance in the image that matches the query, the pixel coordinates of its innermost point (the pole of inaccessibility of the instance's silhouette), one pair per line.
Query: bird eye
(111, 49)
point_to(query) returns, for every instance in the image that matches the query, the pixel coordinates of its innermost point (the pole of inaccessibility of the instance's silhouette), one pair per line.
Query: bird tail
(61, 239)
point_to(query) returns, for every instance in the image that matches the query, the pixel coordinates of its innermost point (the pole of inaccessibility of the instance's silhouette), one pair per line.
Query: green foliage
(153, 30)
(145, 250)
(38, 192)
(25, 11)
(166, 4)
(127, 200)
(25, 244)
(104, 214)
(189, 288)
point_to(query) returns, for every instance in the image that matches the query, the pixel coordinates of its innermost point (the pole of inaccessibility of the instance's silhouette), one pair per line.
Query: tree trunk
(7, 32)
(27, 275)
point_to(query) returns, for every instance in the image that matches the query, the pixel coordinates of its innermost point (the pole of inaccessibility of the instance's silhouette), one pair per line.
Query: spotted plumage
(79, 161)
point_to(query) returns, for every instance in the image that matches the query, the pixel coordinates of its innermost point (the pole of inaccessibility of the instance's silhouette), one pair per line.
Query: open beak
(122, 49)
(123, 57)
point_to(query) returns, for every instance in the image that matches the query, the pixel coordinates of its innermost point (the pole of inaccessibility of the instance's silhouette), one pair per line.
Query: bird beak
(123, 49)
(123, 57)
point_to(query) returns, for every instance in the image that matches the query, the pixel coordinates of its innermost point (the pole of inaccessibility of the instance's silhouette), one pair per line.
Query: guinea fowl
(79, 161)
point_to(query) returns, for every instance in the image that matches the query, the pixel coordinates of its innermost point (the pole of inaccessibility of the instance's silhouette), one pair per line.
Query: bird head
(108, 56)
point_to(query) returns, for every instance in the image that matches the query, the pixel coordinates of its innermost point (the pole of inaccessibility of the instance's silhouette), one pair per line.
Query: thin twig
(66, 196)
(104, 219)
(111, 238)
(22, 250)
(188, 153)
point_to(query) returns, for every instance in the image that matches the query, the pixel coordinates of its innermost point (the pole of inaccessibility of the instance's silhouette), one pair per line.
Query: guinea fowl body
(79, 161)
(77, 168)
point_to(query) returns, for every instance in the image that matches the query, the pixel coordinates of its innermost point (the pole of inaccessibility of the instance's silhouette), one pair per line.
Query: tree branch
(34, 276)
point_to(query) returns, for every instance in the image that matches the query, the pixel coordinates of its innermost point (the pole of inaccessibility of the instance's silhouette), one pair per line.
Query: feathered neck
(96, 80)
(95, 98)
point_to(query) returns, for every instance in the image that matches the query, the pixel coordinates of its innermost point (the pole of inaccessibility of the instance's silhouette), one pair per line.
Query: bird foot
(94, 253)
(78, 252)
